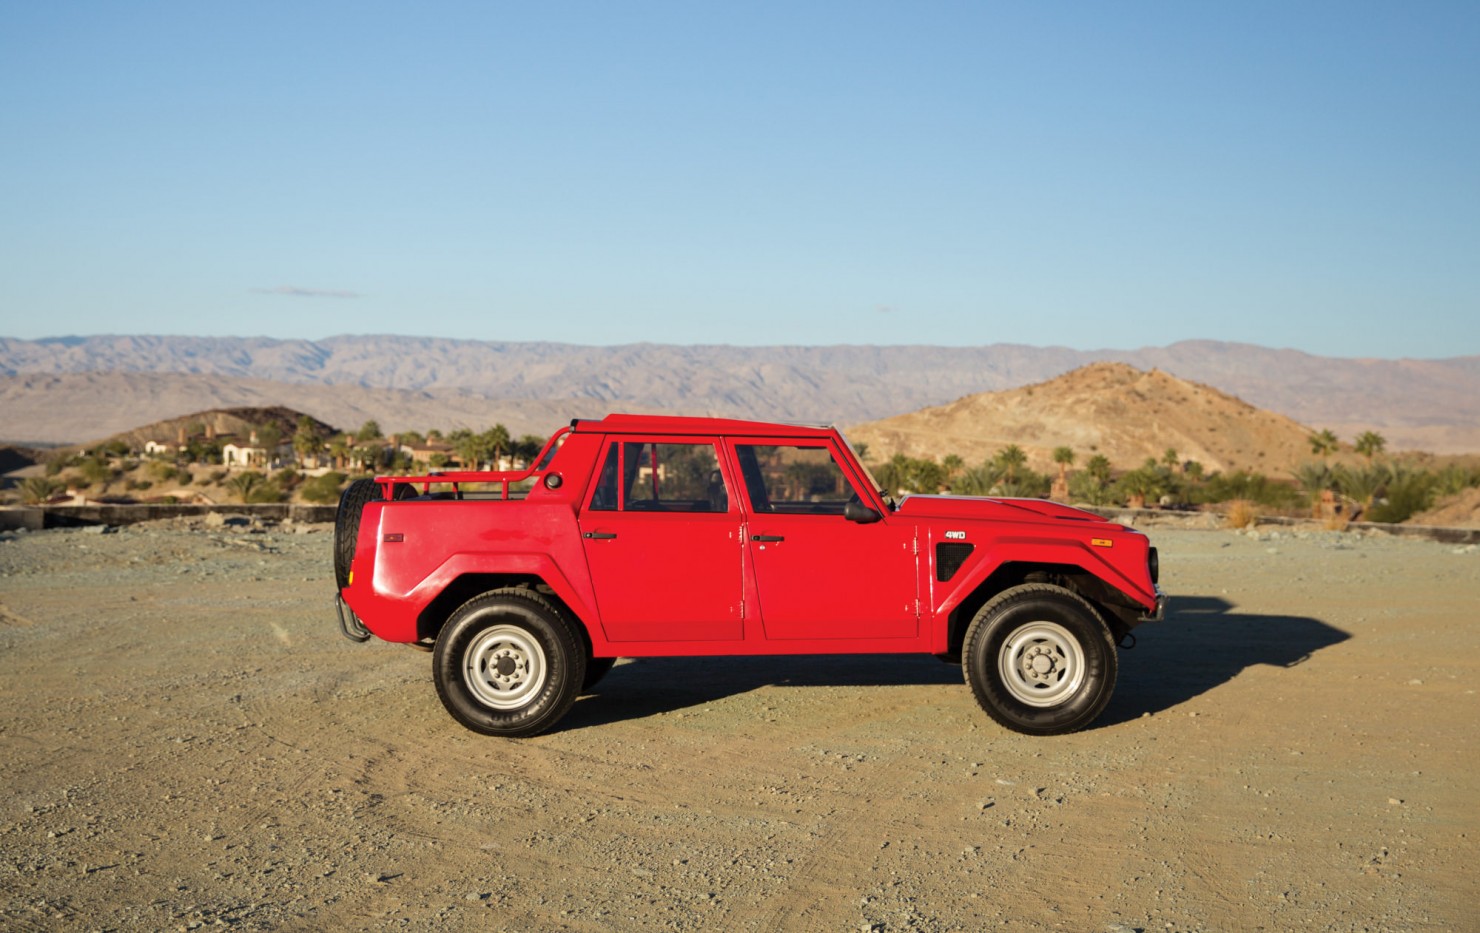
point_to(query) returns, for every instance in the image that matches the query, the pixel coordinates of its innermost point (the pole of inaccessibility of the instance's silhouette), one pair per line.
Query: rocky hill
(79, 388)
(1112, 409)
(222, 422)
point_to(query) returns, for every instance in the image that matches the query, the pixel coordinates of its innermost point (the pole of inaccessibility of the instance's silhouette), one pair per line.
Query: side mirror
(856, 511)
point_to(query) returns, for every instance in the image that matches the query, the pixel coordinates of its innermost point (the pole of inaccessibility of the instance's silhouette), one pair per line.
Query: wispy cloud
(297, 291)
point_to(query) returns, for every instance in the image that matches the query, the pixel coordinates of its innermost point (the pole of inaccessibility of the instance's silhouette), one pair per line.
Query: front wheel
(508, 663)
(1039, 660)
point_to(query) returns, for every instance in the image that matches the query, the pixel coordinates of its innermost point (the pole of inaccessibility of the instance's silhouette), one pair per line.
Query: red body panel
(743, 574)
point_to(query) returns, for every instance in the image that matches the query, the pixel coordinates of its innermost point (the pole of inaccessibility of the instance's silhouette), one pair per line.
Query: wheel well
(465, 587)
(1105, 598)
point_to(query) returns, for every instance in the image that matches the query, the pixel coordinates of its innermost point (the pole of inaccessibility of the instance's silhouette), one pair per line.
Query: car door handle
(768, 537)
(599, 535)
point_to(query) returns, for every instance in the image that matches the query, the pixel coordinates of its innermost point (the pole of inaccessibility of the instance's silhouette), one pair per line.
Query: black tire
(347, 525)
(508, 663)
(1040, 660)
(596, 668)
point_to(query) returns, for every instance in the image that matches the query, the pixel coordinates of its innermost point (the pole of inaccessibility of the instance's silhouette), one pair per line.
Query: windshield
(888, 500)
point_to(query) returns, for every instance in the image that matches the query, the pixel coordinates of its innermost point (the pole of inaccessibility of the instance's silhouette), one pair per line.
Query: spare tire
(347, 525)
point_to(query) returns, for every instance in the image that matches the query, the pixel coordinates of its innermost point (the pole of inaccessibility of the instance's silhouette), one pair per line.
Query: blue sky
(1092, 175)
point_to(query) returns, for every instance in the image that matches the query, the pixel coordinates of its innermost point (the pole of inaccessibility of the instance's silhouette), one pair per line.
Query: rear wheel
(508, 663)
(1039, 660)
(347, 525)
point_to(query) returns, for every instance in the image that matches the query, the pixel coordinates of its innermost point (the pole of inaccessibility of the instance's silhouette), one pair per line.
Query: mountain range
(72, 389)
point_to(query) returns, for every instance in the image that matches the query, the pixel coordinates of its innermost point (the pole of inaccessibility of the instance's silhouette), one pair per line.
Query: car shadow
(1203, 643)
(640, 687)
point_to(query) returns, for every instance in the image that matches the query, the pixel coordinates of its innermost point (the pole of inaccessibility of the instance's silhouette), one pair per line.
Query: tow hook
(349, 623)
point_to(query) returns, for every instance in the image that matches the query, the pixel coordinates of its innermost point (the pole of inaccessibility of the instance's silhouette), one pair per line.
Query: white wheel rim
(504, 667)
(1041, 664)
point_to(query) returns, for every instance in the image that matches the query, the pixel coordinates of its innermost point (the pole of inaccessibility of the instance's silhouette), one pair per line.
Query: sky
(1091, 175)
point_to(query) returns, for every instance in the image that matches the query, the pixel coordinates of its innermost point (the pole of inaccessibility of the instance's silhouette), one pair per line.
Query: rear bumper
(350, 625)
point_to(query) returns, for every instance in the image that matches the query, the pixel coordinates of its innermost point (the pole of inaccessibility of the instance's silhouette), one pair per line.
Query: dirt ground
(186, 741)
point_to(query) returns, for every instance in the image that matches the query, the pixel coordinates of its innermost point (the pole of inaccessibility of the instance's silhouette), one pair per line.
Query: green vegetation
(1323, 443)
(1385, 492)
(38, 489)
(252, 486)
(323, 489)
(1370, 444)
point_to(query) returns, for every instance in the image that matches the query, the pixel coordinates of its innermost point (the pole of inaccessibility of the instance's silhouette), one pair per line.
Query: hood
(989, 509)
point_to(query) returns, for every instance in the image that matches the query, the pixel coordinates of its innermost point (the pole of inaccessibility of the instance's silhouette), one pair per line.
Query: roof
(682, 424)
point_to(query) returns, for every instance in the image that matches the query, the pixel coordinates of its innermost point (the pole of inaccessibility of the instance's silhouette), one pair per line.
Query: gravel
(188, 742)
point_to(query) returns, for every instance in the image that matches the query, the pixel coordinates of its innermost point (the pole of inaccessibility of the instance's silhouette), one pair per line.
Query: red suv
(643, 536)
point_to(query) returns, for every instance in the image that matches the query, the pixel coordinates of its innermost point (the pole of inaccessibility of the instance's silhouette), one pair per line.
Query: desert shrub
(95, 471)
(1455, 479)
(324, 489)
(1254, 487)
(161, 471)
(1406, 494)
(1241, 514)
(267, 492)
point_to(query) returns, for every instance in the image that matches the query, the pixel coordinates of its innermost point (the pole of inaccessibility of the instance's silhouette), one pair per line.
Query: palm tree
(306, 440)
(1099, 467)
(1010, 458)
(1141, 485)
(470, 448)
(1370, 444)
(495, 440)
(38, 489)
(1064, 457)
(976, 481)
(894, 475)
(339, 450)
(1314, 478)
(1362, 485)
(1323, 443)
(244, 484)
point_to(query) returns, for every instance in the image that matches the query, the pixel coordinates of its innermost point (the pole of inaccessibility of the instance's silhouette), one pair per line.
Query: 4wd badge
(956, 536)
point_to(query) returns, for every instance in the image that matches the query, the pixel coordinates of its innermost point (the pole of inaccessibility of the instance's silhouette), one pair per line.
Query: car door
(818, 574)
(662, 540)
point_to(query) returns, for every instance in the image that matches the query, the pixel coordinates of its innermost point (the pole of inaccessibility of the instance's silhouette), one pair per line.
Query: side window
(660, 477)
(795, 480)
(604, 499)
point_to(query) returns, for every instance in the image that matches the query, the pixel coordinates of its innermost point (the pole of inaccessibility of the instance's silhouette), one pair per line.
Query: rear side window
(642, 476)
(797, 480)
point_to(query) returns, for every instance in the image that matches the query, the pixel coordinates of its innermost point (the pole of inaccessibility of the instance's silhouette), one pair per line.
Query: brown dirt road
(185, 741)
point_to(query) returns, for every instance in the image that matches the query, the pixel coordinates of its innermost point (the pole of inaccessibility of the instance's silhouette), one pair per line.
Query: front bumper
(1160, 612)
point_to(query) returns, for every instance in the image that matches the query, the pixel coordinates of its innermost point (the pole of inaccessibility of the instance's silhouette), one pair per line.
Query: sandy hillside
(1106, 408)
(185, 742)
(1457, 511)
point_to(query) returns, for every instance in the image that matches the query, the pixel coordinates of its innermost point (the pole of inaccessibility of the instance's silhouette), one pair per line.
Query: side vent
(949, 558)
